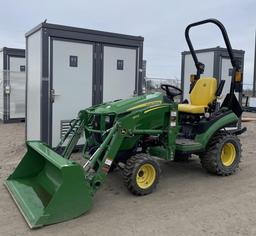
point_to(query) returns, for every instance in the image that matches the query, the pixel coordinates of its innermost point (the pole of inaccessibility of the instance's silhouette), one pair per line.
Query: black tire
(214, 161)
(133, 174)
(181, 157)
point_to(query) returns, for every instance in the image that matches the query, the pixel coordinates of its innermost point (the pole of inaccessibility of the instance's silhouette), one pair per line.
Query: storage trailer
(12, 84)
(70, 69)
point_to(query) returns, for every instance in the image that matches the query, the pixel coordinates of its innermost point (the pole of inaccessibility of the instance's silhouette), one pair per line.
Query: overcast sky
(161, 23)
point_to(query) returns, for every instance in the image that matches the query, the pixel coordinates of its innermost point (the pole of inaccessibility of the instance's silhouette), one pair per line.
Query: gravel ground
(188, 201)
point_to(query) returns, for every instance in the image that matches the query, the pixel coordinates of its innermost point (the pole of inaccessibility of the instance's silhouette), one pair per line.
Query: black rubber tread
(130, 171)
(211, 159)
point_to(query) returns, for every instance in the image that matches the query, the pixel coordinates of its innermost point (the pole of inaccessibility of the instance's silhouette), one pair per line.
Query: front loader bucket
(48, 188)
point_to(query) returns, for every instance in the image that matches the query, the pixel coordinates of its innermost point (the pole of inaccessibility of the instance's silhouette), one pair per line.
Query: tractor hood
(127, 105)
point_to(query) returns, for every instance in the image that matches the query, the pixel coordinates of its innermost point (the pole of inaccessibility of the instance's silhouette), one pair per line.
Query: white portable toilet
(69, 69)
(12, 84)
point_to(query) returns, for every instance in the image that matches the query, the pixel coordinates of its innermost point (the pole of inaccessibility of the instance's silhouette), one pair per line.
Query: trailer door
(119, 72)
(226, 74)
(17, 80)
(72, 76)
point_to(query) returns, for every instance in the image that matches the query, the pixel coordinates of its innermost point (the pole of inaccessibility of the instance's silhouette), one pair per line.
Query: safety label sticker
(108, 162)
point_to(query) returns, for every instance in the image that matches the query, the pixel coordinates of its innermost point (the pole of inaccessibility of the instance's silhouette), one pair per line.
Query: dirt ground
(188, 201)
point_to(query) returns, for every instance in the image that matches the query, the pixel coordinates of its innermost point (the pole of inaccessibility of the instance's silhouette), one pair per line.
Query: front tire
(223, 155)
(141, 174)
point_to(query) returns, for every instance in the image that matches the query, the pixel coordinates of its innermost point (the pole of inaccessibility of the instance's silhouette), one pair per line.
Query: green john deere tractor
(49, 187)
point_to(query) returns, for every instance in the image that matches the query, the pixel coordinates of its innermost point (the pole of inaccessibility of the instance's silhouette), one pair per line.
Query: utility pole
(254, 74)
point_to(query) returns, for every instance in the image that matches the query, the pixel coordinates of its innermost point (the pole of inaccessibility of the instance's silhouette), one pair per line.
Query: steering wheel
(171, 91)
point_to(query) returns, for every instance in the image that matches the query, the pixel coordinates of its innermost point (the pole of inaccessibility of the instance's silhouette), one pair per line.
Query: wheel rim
(146, 176)
(228, 154)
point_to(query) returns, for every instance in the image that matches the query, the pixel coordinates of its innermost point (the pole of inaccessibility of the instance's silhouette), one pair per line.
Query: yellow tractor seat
(194, 109)
(203, 94)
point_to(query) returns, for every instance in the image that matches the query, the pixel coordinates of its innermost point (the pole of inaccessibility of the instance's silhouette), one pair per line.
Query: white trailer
(12, 84)
(69, 69)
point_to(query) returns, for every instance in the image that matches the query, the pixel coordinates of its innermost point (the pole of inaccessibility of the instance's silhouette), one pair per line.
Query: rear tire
(141, 174)
(223, 155)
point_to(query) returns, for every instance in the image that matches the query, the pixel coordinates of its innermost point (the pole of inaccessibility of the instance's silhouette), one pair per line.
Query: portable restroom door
(189, 68)
(119, 72)
(226, 74)
(17, 83)
(72, 75)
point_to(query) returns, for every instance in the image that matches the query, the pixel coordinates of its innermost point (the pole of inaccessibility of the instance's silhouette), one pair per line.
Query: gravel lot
(188, 201)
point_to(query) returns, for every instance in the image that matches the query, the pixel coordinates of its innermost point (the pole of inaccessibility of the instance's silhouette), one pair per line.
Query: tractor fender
(223, 122)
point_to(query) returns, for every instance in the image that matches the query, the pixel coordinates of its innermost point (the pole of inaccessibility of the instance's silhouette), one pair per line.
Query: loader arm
(101, 161)
(74, 134)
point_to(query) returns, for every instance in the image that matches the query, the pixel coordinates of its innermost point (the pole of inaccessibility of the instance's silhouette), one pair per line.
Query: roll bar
(199, 65)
